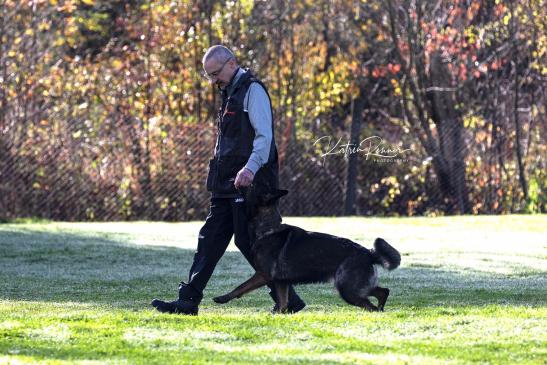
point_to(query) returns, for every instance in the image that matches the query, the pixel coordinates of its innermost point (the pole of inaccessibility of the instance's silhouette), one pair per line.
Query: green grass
(469, 290)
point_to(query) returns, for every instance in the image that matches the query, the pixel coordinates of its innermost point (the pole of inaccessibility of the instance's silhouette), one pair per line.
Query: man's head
(219, 64)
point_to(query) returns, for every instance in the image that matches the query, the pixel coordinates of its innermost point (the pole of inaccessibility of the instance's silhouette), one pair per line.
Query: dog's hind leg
(381, 294)
(355, 279)
(357, 300)
(282, 291)
(255, 282)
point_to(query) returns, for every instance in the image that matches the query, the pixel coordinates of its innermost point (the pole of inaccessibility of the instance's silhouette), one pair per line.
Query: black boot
(295, 304)
(188, 302)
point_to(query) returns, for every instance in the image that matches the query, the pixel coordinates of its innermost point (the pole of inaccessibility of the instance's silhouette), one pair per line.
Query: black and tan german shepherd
(285, 254)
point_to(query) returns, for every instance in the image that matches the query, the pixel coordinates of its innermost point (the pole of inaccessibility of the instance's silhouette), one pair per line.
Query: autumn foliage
(104, 113)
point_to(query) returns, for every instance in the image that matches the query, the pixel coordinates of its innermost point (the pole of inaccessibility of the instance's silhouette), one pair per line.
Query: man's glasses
(214, 75)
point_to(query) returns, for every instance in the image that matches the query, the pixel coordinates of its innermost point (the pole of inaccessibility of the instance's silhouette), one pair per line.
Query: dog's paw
(222, 299)
(276, 310)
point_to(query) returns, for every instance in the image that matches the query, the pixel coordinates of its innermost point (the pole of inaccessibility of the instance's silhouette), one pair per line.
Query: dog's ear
(272, 196)
(281, 193)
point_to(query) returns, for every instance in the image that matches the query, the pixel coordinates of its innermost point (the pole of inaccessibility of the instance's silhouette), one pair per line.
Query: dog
(283, 254)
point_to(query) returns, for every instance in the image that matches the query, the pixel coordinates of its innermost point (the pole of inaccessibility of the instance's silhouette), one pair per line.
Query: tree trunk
(450, 134)
(358, 105)
(522, 173)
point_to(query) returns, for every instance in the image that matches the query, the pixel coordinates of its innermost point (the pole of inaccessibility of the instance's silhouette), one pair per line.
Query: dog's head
(262, 204)
(263, 198)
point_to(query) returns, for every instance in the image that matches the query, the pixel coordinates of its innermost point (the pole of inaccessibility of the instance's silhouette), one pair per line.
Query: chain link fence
(76, 179)
(136, 173)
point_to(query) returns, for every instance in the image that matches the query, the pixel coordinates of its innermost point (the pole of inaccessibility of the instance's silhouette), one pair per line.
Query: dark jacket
(235, 136)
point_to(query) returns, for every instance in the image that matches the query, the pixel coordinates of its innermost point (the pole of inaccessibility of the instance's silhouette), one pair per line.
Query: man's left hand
(244, 178)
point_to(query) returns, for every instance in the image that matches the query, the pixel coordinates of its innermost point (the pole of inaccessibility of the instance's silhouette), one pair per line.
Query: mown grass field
(469, 290)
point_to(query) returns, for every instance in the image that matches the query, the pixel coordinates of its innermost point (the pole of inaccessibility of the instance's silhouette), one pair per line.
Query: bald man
(245, 153)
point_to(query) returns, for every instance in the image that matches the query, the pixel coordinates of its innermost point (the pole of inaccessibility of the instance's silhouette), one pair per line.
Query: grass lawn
(469, 290)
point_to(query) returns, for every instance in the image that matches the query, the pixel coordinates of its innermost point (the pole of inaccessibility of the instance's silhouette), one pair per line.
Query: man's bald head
(218, 53)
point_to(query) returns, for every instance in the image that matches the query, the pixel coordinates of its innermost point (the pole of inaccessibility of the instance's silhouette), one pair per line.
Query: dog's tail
(386, 255)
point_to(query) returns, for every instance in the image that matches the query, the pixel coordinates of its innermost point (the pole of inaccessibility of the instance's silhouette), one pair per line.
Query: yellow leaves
(47, 82)
(29, 31)
(506, 18)
(173, 104)
(70, 31)
(337, 88)
(247, 6)
(139, 105)
(117, 64)
(396, 87)
(327, 89)
(217, 24)
(68, 7)
(44, 26)
(88, 2)
(59, 42)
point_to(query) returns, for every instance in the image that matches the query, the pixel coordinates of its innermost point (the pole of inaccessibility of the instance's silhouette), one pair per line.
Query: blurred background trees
(104, 114)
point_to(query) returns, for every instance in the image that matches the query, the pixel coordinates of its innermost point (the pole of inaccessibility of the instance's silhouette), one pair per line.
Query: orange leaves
(379, 71)
(462, 72)
(382, 71)
(393, 68)
(472, 10)
(500, 10)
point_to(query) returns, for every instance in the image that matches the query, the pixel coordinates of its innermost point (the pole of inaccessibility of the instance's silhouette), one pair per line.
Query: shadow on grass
(68, 267)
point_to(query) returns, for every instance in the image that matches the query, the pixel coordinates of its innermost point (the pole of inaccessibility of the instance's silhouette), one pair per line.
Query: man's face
(219, 72)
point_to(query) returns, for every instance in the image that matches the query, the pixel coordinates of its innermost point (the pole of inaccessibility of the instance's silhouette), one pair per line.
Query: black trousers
(227, 217)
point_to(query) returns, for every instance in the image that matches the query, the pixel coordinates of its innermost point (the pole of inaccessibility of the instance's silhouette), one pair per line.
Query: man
(245, 153)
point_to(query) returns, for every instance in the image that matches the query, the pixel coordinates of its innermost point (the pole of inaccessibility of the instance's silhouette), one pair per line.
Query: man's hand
(244, 178)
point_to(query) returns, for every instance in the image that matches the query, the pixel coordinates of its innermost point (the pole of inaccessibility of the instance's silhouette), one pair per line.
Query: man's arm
(257, 104)
(260, 115)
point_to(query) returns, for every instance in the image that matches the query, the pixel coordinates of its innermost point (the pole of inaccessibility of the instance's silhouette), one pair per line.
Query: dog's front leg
(282, 291)
(255, 282)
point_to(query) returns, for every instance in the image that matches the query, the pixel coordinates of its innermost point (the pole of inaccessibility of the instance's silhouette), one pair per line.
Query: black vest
(235, 136)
